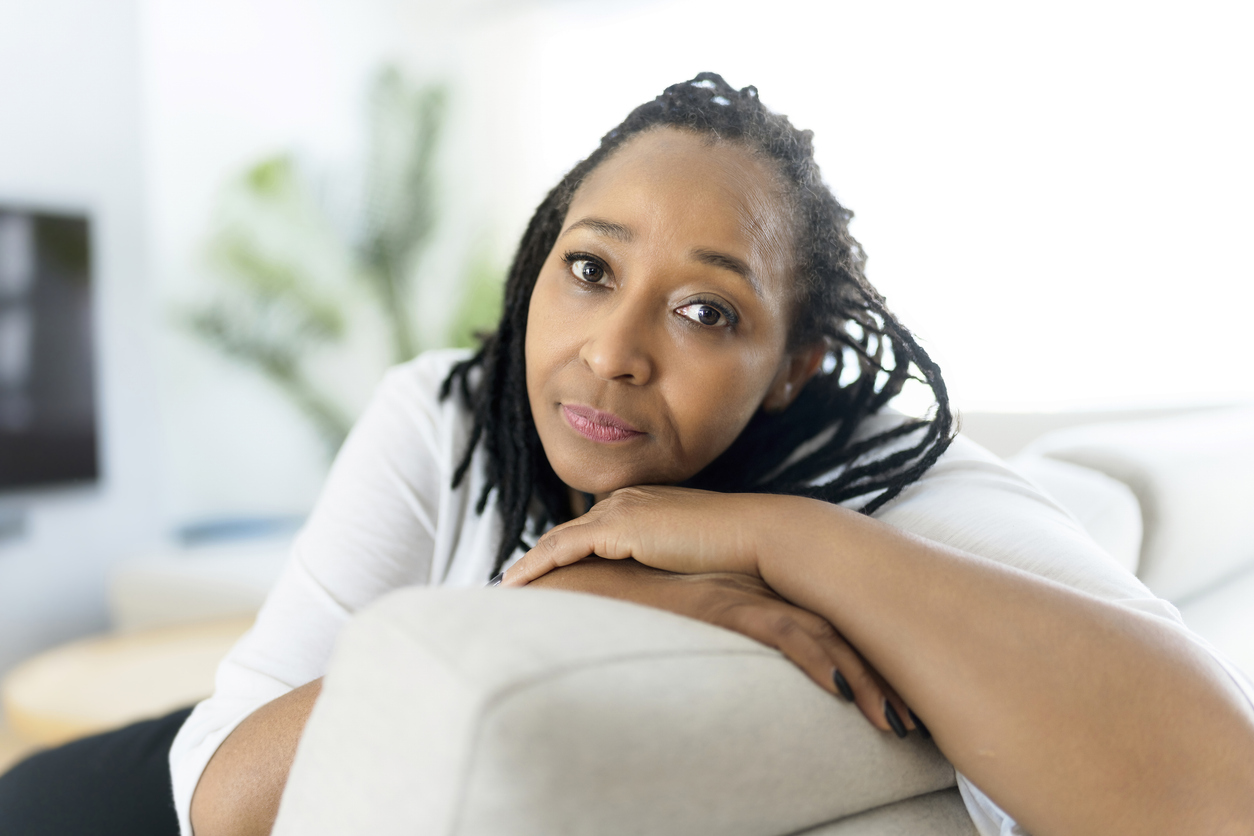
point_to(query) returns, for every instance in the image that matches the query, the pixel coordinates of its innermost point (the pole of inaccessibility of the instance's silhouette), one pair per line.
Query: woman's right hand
(745, 604)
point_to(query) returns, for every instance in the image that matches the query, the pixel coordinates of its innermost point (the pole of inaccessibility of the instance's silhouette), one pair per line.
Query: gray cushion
(511, 712)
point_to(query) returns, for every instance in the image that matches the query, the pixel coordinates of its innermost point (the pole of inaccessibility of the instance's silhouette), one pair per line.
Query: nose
(618, 346)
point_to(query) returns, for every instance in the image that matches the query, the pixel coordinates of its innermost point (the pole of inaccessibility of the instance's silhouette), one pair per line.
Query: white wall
(70, 137)
(1055, 196)
(228, 84)
(138, 111)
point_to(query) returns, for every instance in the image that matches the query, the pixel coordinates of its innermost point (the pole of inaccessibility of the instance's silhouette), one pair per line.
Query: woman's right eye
(587, 270)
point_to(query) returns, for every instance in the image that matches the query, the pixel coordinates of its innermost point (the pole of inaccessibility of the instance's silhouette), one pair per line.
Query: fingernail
(894, 719)
(496, 581)
(918, 724)
(842, 685)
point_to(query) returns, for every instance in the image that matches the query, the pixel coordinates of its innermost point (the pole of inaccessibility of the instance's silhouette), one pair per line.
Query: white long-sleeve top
(388, 517)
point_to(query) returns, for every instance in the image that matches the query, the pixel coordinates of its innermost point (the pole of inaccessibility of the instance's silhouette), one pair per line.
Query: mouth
(595, 425)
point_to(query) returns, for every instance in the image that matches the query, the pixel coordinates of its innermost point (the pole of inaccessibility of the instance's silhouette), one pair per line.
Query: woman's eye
(705, 314)
(587, 271)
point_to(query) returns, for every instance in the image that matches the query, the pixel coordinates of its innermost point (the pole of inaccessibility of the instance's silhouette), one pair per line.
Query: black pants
(113, 783)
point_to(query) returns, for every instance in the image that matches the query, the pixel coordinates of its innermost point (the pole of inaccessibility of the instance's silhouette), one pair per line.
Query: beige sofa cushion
(1193, 476)
(533, 713)
(1224, 616)
(941, 812)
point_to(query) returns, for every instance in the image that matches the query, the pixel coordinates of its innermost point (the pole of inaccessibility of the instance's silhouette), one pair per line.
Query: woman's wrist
(792, 533)
(621, 579)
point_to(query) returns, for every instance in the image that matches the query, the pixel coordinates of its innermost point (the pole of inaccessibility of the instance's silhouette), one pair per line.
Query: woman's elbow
(239, 791)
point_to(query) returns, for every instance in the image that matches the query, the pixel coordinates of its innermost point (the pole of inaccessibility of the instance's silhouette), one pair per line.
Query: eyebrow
(729, 262)
(713, 258)
(603, 227)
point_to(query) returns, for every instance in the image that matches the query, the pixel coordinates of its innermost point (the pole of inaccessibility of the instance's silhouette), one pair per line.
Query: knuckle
(550, 542)
(624, 500)
(628, 494)
(785, 626)
(741, 617)
(822, 630)
(861, 678)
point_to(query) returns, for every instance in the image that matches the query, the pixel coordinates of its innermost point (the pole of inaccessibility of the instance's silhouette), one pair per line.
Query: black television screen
(47, 390)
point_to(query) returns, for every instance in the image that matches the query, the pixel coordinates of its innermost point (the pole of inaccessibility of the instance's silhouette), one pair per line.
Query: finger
(875, 698)
(780, 629)
(551, 551)
(909, 720)
(867, 689)
(566, 544)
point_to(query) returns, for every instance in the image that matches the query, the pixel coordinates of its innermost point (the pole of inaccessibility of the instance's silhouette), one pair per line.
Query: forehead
(677, 188)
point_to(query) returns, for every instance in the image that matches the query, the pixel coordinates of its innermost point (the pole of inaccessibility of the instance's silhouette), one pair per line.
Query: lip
(595, 425)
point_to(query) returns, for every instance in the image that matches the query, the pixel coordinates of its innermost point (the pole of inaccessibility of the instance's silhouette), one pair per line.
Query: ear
(797, 368)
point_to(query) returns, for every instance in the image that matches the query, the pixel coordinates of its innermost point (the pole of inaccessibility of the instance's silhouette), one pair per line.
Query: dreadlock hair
(808, 449)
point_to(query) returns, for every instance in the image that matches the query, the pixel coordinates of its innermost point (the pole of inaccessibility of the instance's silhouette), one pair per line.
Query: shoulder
(406, 431)
(422, 377)
(972, 500)
(407, 399)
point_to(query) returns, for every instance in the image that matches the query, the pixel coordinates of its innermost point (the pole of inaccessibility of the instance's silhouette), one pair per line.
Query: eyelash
(709, 302)
(571, 258)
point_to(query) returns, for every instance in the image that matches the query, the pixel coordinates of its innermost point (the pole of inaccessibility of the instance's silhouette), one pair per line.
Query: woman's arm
(239, 791)
(371, 531)
(1074, 714)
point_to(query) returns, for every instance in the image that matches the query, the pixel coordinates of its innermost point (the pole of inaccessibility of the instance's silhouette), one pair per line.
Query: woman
(689, 379)
(666, 324)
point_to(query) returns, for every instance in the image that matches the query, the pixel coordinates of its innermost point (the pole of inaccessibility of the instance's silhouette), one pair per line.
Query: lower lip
(604, 433)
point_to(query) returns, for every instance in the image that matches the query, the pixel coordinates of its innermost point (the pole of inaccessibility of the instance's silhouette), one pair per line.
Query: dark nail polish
(496, 581)
(918, 724)
(894, 719)
(842, 685)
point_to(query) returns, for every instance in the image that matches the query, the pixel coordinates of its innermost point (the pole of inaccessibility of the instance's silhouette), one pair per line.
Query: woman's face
(659, 322)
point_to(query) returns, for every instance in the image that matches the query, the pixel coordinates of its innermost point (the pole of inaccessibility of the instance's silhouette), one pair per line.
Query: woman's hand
(746, 605)
(676, 529)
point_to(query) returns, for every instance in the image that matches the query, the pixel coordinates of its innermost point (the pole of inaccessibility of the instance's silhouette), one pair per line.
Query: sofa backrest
(1193, 476)
(532, 712)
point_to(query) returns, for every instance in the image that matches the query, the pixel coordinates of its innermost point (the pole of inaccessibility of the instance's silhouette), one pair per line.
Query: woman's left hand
(676, 529)
(712, 537)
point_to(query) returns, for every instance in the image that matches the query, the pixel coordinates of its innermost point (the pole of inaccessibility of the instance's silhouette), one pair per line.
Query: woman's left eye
(705, 314)
(587, 270)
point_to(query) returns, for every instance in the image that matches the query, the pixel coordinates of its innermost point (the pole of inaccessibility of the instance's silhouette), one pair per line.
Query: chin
(595, 483)
(600, 477)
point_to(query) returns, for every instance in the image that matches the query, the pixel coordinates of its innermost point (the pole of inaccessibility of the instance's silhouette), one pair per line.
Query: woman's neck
(581, 503)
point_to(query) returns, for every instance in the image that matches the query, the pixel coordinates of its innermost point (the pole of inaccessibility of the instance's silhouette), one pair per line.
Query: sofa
(540, 712)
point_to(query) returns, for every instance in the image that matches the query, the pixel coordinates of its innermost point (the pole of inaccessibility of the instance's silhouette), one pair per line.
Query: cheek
(714, 400)
(548, 334)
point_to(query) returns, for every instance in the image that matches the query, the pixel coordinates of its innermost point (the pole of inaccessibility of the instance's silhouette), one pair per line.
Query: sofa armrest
(510, 712)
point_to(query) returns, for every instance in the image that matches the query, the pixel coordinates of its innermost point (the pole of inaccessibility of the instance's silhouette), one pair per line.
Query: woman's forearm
(1076, 715)
(239, 791)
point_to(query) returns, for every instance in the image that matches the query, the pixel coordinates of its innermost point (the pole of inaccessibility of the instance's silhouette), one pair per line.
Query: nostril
(618, 358)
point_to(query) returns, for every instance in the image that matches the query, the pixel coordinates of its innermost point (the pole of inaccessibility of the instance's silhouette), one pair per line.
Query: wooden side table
(108, 681)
